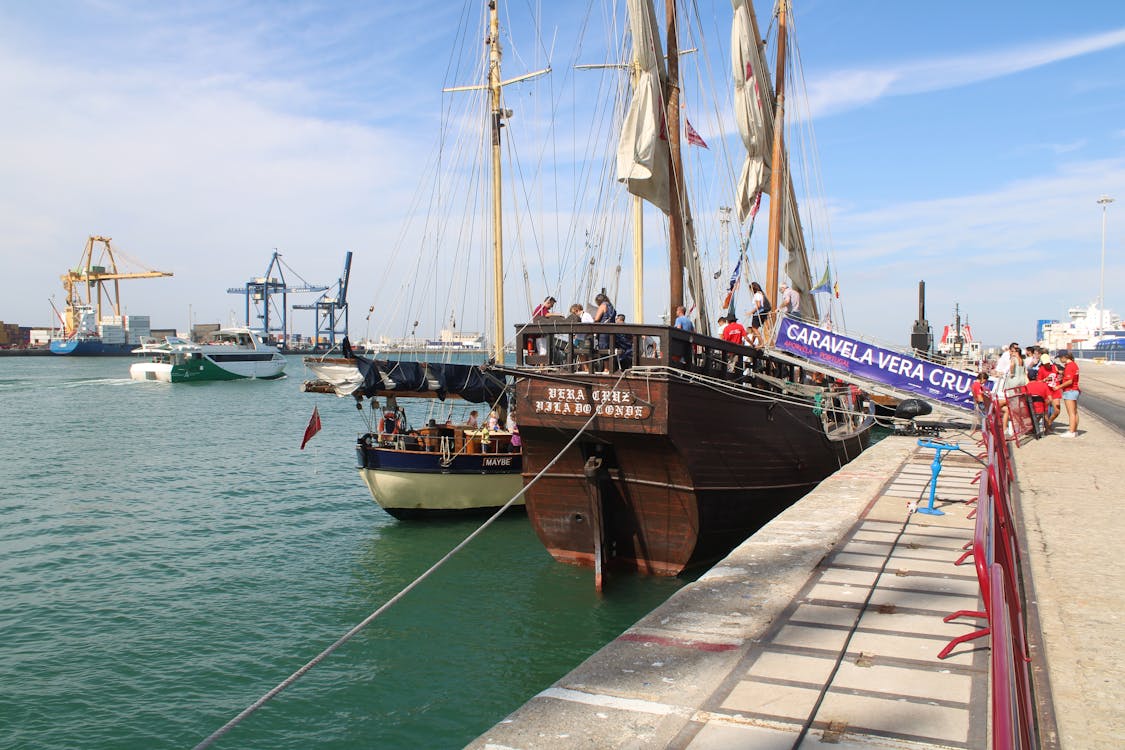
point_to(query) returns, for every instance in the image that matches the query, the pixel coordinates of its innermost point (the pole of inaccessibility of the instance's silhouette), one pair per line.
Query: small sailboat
(672, 455)
(442, 467)
(438, 469)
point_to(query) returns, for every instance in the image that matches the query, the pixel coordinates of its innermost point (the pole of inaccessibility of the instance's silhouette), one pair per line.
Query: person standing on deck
(582, 344)
(541, 311)
(606, 313)
(544, 309)
(758, 314)
(623, 346)
(1070, 392)
(789, 301)
(734, 332)
(683, 322)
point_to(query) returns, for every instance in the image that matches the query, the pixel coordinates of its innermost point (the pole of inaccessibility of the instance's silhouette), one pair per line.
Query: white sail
(642, 151)
(797, 260)
(753, 106)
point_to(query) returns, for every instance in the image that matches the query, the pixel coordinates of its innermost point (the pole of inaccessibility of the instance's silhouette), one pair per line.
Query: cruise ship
(1092, 332)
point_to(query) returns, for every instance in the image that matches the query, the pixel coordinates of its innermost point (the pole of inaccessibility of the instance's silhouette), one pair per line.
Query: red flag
(312, 429)
(693, 138)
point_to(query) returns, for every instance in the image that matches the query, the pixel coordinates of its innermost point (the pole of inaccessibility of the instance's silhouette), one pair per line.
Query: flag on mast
(733, 286)
(693, 138)
(825, 285)
(312, 429)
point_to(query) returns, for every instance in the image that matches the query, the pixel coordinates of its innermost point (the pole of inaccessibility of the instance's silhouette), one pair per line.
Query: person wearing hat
(735, 332)
(1070, 392)
(789, 301)
(1048, 373)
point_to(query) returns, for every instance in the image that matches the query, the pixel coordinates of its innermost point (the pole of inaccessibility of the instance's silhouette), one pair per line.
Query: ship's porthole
(579, 518)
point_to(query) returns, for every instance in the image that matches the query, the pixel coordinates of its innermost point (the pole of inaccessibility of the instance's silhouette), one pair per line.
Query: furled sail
(753, 106)
(797, 259)
(642, 150)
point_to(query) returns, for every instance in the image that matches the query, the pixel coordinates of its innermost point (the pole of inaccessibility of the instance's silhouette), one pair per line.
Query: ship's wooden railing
(444, 440)
(611, 347)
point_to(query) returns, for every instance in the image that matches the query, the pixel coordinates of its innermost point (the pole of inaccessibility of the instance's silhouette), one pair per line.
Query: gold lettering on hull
(605, 402)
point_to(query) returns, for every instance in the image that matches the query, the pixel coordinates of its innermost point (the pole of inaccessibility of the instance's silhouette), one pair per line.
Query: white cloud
(197, 179)
(1026, 250)
(848, 89)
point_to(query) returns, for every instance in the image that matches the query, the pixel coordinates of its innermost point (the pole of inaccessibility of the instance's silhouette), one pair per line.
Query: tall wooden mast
(672, 126)
(494, 87)
(778, 164)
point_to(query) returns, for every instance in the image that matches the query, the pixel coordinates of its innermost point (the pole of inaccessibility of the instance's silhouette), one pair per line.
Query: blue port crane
(260, 293)
(332, 308)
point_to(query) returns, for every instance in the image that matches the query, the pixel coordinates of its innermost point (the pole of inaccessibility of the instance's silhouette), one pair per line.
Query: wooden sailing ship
(652, 448)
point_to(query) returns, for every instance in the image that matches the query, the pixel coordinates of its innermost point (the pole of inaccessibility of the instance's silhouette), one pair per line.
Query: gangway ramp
(873, 368)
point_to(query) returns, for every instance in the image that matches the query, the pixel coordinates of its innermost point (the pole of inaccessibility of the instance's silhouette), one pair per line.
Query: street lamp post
(1104, 201)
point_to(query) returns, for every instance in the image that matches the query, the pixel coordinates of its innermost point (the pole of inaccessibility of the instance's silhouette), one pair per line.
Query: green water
(168, 555)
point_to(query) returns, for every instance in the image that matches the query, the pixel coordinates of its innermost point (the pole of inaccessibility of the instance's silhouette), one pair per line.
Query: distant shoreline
(25, 352)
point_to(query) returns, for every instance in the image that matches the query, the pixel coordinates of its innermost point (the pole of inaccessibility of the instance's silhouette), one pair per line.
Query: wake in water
(83, 382)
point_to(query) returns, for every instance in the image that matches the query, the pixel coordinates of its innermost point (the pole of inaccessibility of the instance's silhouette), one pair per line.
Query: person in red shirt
(1049, 373)
(543, 309)
(1040, 397)
(1070, 392)
(977, 389)
(735, 332)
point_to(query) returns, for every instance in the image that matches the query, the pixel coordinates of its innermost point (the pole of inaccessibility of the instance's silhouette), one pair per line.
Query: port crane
(87, 283)
(332, 308)
(260, 293)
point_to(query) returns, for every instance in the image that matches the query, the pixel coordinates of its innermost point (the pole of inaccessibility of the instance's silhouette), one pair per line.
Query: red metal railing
(995, 550)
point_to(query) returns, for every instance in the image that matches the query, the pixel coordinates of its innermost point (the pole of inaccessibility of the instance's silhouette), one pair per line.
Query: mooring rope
(218, 733)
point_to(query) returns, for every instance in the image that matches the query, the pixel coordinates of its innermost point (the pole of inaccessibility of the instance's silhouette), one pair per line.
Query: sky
(961, 145)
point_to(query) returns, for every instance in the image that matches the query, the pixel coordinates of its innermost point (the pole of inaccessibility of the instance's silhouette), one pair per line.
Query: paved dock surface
(1073, 509)
(824, 627)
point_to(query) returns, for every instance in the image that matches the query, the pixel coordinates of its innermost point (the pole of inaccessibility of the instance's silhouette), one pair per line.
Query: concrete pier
(824, 627)
(1073, 510)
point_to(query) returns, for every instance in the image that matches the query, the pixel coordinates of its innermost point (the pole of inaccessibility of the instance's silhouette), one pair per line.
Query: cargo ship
(84, 331)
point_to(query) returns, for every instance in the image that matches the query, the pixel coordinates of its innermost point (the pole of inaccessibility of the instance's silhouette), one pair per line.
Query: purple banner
(898, 370)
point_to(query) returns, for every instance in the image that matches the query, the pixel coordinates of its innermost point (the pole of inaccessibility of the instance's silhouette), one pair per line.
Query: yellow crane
(87, 283)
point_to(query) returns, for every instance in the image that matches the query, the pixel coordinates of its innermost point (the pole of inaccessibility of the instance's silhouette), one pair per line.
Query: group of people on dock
(1049, 383)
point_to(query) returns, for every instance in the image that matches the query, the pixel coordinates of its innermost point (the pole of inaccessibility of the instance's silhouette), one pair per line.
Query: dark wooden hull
(687, 470)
